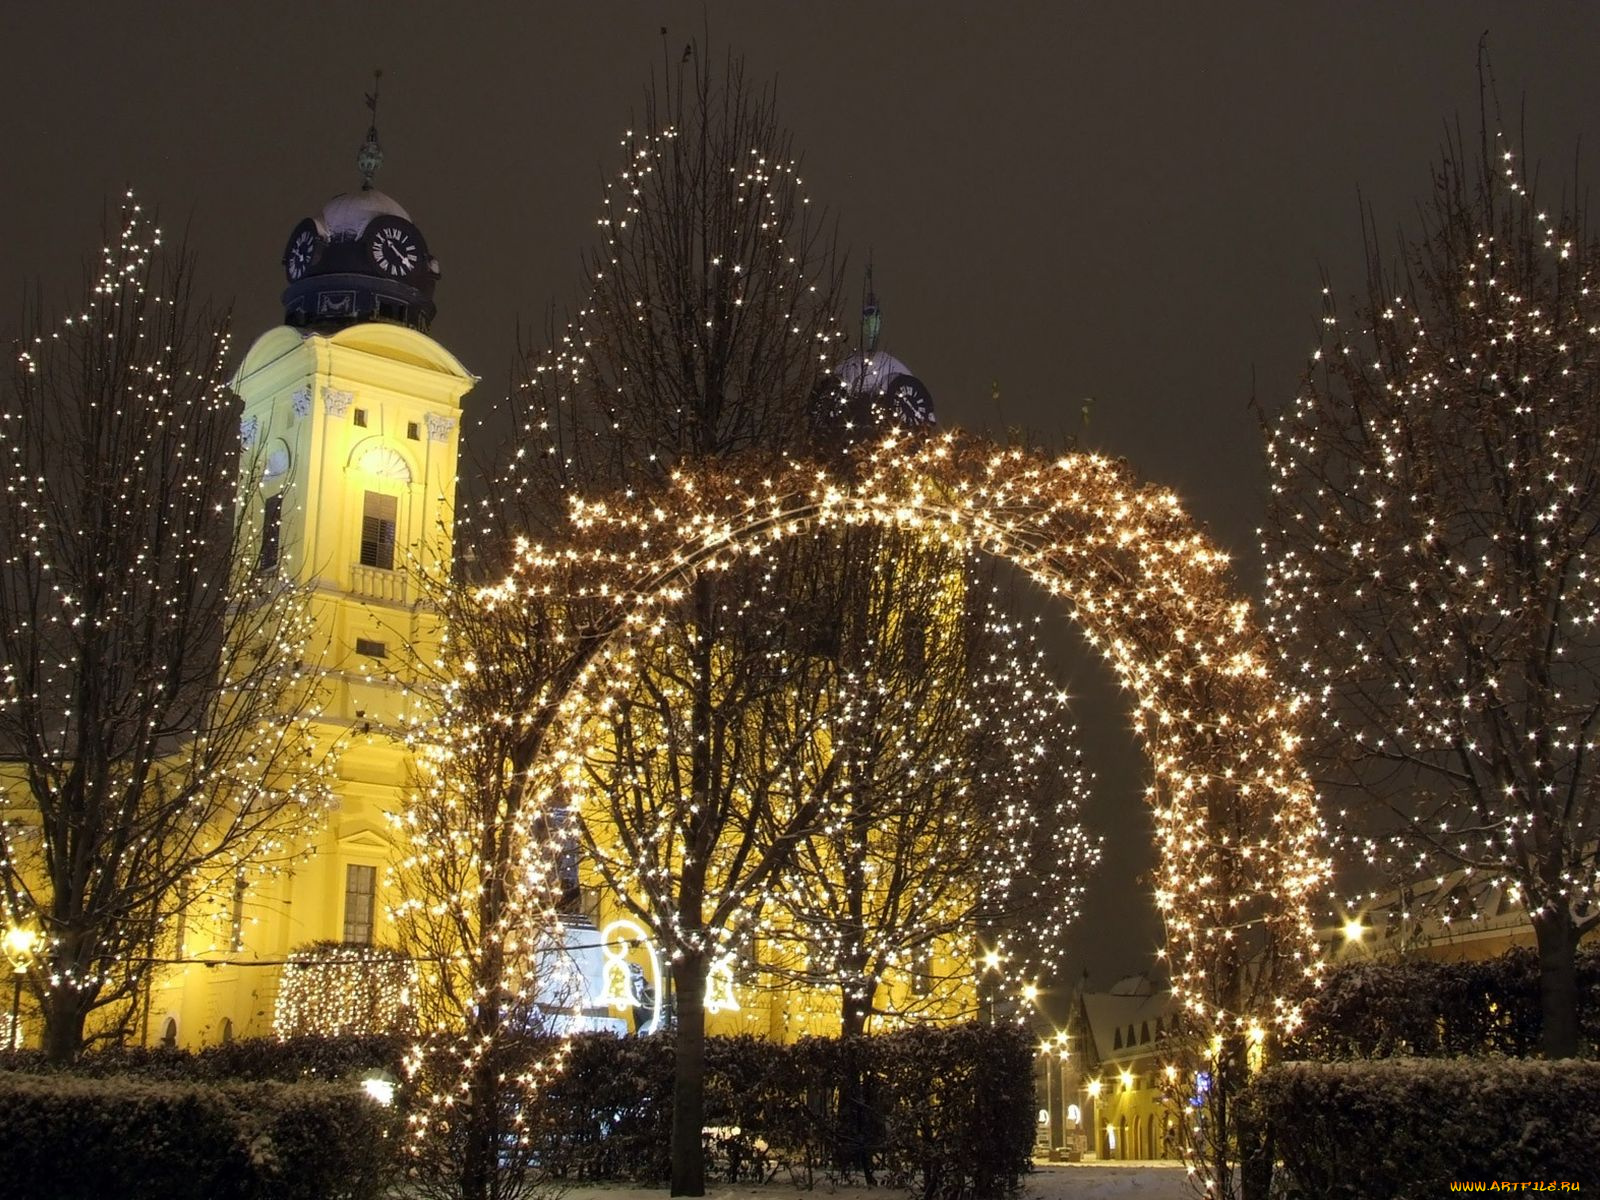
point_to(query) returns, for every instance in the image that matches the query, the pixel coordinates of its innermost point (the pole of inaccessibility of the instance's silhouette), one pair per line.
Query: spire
(871, 316)
(370, 157)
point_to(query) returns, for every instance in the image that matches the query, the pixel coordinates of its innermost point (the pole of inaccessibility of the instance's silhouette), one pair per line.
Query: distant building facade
(1110, 1088)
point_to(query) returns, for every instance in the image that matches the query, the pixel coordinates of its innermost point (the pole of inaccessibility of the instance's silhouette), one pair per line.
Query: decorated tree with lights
(702, 780)
(154, 715)
(948, 840)
(707, 323)
(1432, 549)
(478, 877)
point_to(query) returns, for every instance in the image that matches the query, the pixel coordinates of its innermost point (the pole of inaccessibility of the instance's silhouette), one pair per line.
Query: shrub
(73, 1137)
(1405, 1128)
(1437, 1009)
(607, 1114)
(947, 1112)
(957, 1105)
(289, 1060)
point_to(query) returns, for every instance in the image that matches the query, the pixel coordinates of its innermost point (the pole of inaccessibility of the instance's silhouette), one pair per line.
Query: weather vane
(370, 157)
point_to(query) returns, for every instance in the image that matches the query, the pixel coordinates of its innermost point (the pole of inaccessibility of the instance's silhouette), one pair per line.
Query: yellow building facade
(1110, 1086)
(350, 427)
(354, 435)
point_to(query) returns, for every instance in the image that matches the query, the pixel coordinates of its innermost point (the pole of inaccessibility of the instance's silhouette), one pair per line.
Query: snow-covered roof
(346, 215)
(870, 373)
(1112, 1016)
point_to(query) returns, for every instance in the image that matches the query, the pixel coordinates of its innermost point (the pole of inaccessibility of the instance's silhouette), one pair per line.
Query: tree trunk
(480, 1153)
(481, 1136)
(1557, 940)
(855, 1100)
(63, 1008)
(64, 1016)
(856, 992)
(689, 1075)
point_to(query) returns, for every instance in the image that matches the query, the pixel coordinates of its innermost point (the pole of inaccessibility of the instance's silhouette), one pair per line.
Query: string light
(333, 988)
(1236, 822)
(1432, 583)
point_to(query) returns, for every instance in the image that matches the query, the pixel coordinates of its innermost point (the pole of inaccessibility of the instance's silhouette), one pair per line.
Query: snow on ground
(1050, 1181)
(1094, 1181)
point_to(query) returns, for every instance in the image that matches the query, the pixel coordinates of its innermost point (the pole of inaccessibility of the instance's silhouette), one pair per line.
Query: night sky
(1131, 203)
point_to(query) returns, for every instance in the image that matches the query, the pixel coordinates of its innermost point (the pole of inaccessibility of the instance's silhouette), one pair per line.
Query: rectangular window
(360, 893)
(371, 648)
(360, 418)
(271, 529)
(378, 514)
(413, 431)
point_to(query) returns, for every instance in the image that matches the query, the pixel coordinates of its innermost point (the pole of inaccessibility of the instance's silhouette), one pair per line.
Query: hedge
(1438, 1009)
(80, 1138)
(1406, 1128)
(947, 1113)
(304, 1058)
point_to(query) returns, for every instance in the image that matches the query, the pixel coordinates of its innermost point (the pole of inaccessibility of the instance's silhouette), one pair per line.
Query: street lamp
(19, 944)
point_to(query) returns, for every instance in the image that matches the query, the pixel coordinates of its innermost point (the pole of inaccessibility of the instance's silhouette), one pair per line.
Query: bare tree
(711, 303)
(708, 320)
(478, 878)
(157, 684)
(1432, 540)
(950, 818)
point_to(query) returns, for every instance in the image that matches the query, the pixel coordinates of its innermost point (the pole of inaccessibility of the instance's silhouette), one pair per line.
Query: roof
(1135, 1004)
(870, 373)
(345, 217)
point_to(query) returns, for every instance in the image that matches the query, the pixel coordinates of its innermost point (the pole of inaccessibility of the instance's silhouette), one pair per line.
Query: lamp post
(19, 946)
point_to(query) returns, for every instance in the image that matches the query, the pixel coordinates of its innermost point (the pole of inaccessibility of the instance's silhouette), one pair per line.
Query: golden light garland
(1236, 822)
(332, 988)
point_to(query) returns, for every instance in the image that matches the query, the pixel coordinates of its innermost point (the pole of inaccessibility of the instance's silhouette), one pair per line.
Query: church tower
(349, 433)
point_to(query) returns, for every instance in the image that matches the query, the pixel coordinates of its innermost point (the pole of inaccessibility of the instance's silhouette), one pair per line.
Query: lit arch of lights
(1235, 817)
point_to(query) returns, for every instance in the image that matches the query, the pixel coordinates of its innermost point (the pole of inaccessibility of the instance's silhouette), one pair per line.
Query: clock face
(395, 250)
(913, 405)
(302, 252)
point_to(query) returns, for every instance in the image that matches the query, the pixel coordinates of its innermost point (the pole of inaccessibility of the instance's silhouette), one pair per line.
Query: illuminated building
(1114, 1092)
(352, 418)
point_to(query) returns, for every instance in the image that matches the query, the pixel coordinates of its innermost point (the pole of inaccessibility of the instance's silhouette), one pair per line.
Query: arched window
(227, 1031)
(169, 1033)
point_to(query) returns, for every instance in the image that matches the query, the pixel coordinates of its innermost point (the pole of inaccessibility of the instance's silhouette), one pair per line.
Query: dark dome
(872, 389)
(361, 259)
